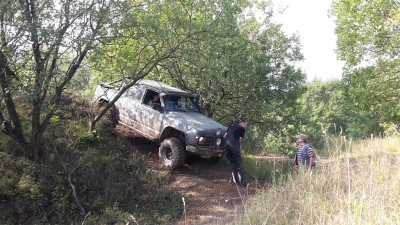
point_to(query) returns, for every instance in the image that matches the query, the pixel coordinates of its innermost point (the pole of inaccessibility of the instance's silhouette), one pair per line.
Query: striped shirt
(304, 152)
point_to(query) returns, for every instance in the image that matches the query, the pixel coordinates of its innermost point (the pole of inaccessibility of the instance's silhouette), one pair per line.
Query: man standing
(233, 139)
(305, 153)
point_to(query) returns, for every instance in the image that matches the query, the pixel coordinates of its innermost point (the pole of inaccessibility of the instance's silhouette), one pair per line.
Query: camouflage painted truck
(176, 122)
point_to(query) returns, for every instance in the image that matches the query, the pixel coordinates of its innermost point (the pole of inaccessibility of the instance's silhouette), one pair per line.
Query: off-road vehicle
(176, 122)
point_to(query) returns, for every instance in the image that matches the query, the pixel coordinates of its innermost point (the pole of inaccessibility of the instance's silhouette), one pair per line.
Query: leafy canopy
(368, 40)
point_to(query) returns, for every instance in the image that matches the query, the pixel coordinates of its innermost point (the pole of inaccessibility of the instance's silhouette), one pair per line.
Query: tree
(241, 67)
(368, 41)
(160, 35)
(322, 108)
(328, 108)
(43, 44)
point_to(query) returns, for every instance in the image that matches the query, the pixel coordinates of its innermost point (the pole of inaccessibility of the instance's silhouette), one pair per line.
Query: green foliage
(268, 170)
(43, 45)
(42, 192)
(327, 108)
(92, 136)
(368, 92)
(160, 30)
(241, 72)
(349, 187)
(368, 40)
(374, 24)
(112, 186)
(241, 67)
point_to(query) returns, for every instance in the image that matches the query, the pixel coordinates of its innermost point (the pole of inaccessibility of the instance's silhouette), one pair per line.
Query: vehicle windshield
(181, 103)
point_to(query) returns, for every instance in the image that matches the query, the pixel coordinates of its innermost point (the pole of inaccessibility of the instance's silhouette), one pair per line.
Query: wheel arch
(172, 132)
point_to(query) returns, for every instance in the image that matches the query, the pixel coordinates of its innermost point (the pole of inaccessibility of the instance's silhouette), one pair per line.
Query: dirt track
(208, 194)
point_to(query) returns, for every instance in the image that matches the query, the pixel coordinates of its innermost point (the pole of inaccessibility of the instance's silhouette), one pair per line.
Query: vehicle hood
(193, 121)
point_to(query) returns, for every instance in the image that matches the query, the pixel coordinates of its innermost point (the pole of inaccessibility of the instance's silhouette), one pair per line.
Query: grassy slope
(112, 186)
(359, 183)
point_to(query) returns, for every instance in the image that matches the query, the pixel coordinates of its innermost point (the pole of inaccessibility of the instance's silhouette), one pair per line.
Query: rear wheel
(172, 153)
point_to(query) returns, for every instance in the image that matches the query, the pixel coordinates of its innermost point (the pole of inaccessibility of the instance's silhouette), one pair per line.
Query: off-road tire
(172, 153)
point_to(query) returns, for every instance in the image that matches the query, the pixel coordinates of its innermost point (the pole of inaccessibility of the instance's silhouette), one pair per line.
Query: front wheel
(172, 153)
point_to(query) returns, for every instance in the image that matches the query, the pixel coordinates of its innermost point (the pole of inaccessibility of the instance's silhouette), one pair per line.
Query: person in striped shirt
(305, 153)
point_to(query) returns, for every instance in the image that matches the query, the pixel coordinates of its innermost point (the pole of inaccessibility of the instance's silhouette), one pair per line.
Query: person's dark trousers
(236, 164)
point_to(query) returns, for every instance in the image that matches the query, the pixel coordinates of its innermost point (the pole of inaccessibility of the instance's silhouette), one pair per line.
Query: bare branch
(73, 188)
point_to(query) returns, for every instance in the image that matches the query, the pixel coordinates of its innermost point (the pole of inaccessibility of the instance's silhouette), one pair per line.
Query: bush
(82, 176)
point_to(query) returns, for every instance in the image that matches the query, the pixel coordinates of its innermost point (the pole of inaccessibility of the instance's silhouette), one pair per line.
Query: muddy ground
(205, 186)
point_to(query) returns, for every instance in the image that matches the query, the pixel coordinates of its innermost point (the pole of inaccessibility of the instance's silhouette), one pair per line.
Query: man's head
(301, 138)
(243, 123)
(156, 98)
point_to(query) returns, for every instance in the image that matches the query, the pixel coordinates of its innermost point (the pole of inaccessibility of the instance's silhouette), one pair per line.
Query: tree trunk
(33, 150)
(92, 124)
(35, 132)
(13, 126)
(95, 118)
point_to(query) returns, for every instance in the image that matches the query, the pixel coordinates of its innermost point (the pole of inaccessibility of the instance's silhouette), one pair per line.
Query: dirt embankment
(207, 193)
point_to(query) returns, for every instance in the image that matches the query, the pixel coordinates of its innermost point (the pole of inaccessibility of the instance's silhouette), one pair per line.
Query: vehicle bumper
(205, 152)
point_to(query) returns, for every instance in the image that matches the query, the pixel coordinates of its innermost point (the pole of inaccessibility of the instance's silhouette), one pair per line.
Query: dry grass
(358, 184)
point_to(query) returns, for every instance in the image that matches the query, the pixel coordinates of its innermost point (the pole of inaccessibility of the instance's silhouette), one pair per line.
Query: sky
(310, 20)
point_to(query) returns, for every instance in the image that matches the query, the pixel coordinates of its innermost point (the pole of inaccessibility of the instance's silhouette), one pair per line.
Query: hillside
(82, 177)
(108, 176)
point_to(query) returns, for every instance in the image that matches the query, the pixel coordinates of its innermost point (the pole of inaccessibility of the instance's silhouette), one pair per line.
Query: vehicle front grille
(212, 142)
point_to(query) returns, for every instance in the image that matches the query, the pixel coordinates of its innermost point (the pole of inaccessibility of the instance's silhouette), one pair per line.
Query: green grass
(358, 184)
(268, 170)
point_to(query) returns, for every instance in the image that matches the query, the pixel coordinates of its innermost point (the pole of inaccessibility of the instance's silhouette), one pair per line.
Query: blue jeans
(233, 154)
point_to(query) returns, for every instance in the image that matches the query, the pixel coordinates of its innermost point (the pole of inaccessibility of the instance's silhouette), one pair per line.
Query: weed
(358, 184)
(267, 170)
(91, 136)
(82, 176)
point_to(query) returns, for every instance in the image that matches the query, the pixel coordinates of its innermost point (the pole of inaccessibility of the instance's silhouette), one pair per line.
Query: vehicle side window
(181, 103)
(151, 98)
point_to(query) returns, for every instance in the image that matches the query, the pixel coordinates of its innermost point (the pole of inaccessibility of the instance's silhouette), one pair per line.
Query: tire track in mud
(207, 198)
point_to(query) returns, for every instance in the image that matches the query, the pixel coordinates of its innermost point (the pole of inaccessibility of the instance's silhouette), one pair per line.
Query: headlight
(201, 139)
(219, 130)
(218, 141)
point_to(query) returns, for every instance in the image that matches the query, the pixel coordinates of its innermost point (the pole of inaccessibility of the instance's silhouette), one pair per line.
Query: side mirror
(157, 106)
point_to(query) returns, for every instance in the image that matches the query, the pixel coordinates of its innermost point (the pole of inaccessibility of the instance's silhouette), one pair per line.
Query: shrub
(82, 177)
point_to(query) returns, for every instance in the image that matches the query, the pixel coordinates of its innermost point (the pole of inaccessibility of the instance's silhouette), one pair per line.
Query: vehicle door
(128, 107)
(151, 114)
